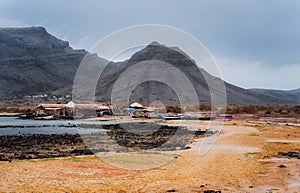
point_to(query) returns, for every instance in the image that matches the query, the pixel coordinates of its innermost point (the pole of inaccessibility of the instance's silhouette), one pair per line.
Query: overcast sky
(256, 43)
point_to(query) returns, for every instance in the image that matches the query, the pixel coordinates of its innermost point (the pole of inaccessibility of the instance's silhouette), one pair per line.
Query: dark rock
(127, 135)
(212, 191)
(282, 166)
(171, 190)
(290, 154)
(32, 146)
(5, 159)
(81, 152)
(199, 132)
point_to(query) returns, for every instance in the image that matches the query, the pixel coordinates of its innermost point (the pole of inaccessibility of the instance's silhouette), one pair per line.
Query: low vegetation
(263, 110)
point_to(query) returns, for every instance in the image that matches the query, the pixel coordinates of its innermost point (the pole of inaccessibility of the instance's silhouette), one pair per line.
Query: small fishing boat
(224, 118)
(172, 117)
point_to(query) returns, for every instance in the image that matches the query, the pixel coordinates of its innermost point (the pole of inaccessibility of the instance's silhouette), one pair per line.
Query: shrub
(173, 109)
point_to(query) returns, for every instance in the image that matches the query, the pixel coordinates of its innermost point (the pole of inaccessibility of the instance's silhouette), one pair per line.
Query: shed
(103, 110)
(51, 109)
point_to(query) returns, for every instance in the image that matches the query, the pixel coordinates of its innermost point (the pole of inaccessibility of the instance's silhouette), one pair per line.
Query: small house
(51, 109)
(103, 110)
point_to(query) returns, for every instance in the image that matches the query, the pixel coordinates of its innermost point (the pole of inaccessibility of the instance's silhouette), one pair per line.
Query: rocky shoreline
(33, 146)
(119, 138)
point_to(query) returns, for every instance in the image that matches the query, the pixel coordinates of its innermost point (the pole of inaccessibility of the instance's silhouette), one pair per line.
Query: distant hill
(291, 95)
(33, 62)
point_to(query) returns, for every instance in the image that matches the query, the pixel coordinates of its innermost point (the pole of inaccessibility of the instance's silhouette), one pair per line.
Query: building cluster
(72, 110)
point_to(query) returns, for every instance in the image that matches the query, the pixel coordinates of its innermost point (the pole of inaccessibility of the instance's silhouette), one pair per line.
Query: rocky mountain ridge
(32, 61)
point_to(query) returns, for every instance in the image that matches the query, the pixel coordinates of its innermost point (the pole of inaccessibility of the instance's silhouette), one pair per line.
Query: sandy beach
(245, 158)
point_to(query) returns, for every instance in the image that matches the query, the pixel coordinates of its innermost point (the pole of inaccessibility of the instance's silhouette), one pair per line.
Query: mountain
(32, 61)
(291, 95)
(151, 90)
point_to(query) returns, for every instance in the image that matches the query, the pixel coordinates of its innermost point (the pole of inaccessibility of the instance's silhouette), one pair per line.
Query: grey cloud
(267, 31)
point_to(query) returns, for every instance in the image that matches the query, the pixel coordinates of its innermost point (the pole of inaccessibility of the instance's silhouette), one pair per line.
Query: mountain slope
(291, 95)
(151, 90)
(33, 62)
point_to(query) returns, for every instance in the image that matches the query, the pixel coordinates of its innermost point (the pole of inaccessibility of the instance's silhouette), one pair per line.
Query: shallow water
(15, 126)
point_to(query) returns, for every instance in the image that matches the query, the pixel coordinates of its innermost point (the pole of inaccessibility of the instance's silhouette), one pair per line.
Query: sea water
(16, 126)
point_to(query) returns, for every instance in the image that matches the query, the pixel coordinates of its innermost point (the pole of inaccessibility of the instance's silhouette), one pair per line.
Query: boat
(224, 118)
(172, 117)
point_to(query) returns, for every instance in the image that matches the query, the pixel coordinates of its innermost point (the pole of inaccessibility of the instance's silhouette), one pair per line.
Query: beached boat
(172, 117)
(195, 117)
(224, 118)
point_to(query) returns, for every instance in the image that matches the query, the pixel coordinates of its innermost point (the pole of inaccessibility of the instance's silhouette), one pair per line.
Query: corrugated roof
(135, 104)
(102, 107)
(53, 108)
(61, 106)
